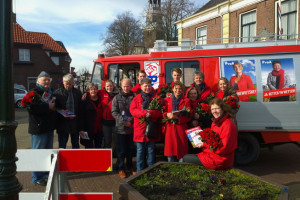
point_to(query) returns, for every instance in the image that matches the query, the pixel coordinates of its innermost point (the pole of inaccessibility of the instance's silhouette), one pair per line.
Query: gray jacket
(271, 81)
(120, 111)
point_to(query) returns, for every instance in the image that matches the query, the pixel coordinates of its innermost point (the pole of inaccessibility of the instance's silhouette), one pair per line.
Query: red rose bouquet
(211, 138)
(163, 90)
(202, 109)
(31, 98)
(232, 101)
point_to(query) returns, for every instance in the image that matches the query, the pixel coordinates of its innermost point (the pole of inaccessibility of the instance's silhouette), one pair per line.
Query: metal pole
(9, 184)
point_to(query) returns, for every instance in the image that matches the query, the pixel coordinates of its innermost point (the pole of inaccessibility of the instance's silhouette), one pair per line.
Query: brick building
(34, 52)
(240, 21)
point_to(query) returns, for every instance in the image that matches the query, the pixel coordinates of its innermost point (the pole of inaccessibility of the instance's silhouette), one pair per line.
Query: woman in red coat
(199, 83)
(176, 141)
(241, 81)
(139, 109)
(223, 157)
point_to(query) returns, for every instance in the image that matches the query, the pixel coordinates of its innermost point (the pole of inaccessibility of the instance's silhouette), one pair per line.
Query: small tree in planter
(186, 181)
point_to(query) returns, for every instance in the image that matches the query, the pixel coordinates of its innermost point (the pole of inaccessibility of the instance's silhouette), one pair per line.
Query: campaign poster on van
(241, 75)
(278, 79)
(152, 70)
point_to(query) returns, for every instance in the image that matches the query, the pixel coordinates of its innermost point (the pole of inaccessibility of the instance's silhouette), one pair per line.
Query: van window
(116, 72)
(98, 74)
(187, 68)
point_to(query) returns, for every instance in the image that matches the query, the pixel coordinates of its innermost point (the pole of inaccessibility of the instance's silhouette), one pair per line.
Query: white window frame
(204, 41)
(24, 55)
(240, 25)
(55, 59)
(276, 19)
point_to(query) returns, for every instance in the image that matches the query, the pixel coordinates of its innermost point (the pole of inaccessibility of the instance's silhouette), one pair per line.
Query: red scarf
(97, 122)
(279, 75)
(220, 94)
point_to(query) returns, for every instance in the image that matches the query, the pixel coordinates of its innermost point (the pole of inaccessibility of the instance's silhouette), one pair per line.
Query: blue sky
(79, 24)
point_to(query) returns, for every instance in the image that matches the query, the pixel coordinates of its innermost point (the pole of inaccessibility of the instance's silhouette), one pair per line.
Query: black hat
(43, 74)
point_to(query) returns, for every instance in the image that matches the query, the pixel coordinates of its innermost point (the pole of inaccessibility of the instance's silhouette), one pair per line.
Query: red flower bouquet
(202, 109)
(155, 104)
(163, 90)
(232, 101)
(211, 138)
(31, 98)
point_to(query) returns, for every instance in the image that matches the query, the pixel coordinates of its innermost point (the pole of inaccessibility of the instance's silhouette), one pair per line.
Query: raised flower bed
(185, 181)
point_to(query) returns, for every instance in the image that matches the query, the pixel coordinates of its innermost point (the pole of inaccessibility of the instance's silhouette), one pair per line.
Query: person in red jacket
(176, 75)
(176, 141)
(108, 121)
(223, 157)
(140, 76)
(139, 109)
(241, 81)
(199, 83)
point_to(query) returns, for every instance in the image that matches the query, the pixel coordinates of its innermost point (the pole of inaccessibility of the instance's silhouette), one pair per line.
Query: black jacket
(88, 116)
(120, 111)
(66, 125)
(41, 118)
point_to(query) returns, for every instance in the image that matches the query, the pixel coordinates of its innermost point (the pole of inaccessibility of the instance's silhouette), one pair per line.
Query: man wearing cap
(42, 121)
(68, 98)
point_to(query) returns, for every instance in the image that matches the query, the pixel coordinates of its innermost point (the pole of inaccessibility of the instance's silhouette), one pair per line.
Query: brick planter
(127, 192)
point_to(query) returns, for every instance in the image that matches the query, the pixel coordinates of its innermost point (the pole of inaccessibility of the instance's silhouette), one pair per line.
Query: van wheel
(248, 149)
(18, 104)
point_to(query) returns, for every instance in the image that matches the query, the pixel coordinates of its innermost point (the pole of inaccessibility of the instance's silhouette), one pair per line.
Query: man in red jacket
(139, 109)
(140, 76)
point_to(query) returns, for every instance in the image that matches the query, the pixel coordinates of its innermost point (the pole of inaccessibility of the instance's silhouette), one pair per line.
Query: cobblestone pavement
(282, 166)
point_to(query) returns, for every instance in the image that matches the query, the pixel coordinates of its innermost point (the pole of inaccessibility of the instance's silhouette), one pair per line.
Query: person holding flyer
(220, 155)
(176, 116)
(90, 123)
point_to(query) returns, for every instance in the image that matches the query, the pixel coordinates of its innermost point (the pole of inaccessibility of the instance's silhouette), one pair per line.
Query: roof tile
(20, 35)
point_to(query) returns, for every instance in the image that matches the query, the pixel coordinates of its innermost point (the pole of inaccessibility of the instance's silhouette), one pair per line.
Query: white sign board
(152, 70)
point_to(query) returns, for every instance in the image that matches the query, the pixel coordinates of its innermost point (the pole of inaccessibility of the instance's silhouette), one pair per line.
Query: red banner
(244, 93)
(279, 92)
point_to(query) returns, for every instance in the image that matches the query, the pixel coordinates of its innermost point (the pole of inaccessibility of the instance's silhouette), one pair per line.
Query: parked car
(19, 93)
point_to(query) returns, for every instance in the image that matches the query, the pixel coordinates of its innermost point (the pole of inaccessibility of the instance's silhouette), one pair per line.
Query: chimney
(13, 18)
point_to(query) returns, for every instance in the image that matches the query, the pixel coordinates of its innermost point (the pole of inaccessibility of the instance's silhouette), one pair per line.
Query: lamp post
(139, 49)
(9, 184)
(83, 79)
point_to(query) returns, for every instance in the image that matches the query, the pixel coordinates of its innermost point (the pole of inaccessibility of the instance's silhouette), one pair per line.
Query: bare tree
(172, 11)
(122, 35)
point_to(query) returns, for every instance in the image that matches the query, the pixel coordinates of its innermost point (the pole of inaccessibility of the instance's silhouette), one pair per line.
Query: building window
(24, 54)
(55, 59)
(248, 26)
(288, 19)
(201, 35)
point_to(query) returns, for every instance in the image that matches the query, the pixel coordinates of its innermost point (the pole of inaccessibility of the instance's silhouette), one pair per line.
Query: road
(281, 166)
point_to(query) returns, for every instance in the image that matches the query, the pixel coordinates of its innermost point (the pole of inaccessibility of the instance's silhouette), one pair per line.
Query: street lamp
(139, 49)
(83, 79)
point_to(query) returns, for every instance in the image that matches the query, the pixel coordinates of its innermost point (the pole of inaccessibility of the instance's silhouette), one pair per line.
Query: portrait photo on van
(242, 77)
(278, 79)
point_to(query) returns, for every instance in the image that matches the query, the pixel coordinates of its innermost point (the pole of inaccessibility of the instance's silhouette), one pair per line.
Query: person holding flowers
(199, 83)
(40, 106)
(144, 119)
(219, 142)
(228, 95)
(176, 116)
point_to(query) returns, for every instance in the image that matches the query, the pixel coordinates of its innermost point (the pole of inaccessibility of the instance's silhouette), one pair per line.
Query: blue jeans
(64, 137)
(141, 148)
(174, 159)
(41, 141)
(125, 150)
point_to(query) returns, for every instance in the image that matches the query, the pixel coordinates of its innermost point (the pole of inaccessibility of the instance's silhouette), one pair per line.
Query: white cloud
(75, 11)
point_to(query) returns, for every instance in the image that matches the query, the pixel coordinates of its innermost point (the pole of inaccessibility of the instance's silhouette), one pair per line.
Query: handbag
(151, 130)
